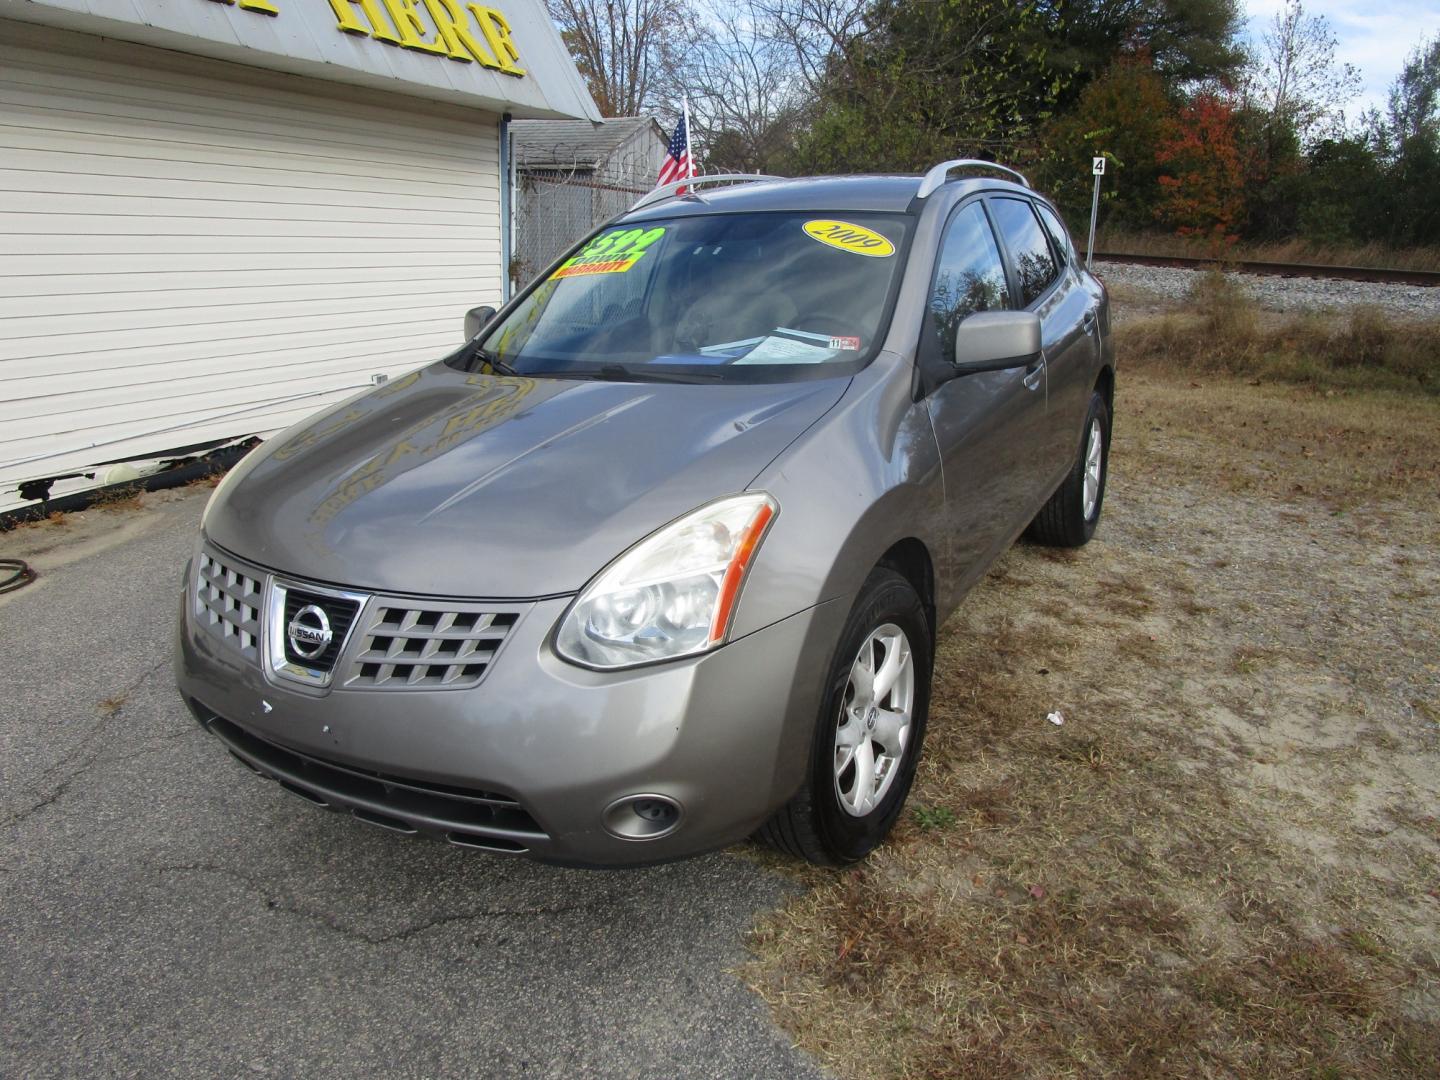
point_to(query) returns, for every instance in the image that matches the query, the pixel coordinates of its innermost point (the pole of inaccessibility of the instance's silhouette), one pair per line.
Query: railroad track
(1429, 278)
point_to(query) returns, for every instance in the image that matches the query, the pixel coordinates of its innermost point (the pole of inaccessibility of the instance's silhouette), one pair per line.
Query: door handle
(1034, 373)
(1090, 319)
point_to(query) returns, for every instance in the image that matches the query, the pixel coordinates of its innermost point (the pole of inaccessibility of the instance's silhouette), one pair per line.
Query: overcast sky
(1374, 35)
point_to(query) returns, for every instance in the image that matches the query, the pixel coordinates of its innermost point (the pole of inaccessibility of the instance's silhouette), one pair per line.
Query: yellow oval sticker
(855, 239)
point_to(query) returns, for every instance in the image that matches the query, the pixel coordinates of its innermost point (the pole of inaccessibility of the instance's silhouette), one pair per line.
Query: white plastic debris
(1057, 718)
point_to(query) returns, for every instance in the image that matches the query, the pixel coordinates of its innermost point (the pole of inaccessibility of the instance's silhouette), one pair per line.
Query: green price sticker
(613, 252)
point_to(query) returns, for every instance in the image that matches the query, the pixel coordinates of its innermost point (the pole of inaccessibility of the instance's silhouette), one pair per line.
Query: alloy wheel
(1094, 457)
(875, 719)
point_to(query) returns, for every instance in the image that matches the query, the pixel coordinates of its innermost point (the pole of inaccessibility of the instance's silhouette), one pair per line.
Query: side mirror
(475, 320)
(996, 340)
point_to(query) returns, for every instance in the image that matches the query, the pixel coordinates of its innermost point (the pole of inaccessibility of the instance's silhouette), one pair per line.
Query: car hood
(457, 484)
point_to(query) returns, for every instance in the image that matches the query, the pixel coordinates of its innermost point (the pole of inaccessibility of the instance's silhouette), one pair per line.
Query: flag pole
(689, 137)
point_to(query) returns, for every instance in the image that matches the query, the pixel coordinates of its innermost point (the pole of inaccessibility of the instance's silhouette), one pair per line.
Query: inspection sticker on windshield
(855, 239)
(613, 252)
(845, 344)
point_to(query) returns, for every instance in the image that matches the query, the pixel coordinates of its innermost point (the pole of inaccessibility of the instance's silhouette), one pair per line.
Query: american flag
(678, 164)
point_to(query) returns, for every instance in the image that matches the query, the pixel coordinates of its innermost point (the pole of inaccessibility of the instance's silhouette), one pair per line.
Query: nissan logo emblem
(309, 632)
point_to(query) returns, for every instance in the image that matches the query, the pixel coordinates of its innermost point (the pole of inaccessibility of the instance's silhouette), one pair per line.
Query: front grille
(469, 817)
(403, 647)
(375, 642)
(339, 613)
(227, 602)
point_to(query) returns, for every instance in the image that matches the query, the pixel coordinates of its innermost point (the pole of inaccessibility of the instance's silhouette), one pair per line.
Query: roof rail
(664, 191)
(940, 173)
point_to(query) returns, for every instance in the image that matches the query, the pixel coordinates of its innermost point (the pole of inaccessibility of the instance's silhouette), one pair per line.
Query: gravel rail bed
(1280, 293)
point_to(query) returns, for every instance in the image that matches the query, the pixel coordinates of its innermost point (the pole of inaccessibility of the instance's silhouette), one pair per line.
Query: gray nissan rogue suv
(656, 560)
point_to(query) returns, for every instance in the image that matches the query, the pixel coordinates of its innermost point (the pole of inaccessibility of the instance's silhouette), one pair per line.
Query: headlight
(672, 594)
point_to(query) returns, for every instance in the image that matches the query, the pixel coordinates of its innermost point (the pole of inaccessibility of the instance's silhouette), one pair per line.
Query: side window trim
(1012, 274)
(923, 336)
(955, 211)
(1058, 245)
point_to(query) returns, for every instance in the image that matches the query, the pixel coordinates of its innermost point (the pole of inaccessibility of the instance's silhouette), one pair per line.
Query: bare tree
(1293, 75)
(629, 51)
(819, 33)
(745, 89)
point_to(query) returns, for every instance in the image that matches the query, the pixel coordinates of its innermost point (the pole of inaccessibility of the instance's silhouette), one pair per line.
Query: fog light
(642, 817)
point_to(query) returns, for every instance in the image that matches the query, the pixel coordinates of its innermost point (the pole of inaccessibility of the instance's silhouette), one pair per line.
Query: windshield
(725, 297)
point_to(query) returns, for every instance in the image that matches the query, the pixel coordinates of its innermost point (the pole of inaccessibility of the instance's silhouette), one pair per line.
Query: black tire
(813, 825)
(1062, 521)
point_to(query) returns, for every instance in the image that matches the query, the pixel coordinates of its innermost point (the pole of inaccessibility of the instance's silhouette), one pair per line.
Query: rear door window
(1030, 252)
(969, 275)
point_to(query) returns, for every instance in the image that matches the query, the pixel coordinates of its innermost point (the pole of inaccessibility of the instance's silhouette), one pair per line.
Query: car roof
(814, 193)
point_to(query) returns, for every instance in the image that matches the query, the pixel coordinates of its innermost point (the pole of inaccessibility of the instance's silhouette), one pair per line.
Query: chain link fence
(556, 204)
(559, 197)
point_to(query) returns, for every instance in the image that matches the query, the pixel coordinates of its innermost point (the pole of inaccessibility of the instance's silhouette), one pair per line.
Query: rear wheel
(1070, 517)
(869, 732)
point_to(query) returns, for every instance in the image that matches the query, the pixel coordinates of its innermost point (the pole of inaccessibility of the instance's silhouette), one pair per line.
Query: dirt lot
(1225, 861)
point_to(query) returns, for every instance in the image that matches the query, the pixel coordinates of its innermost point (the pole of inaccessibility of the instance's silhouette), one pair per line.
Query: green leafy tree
(1409, 139)
(929, 80)
(1124, 115)
(1186, 41)
(1334, 199)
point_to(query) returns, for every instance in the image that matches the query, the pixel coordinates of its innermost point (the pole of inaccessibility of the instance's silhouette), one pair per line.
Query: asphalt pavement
(163, 912)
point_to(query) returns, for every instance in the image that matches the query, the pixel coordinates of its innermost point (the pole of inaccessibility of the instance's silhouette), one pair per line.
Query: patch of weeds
(1366, 944)
(930, 818)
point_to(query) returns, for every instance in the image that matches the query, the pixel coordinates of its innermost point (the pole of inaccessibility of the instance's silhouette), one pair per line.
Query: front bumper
(529, 760)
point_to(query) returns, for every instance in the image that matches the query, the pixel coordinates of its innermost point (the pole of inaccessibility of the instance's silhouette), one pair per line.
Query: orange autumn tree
(1203, 171)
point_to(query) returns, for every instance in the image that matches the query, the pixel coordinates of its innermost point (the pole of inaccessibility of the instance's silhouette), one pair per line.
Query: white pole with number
(1097, 166)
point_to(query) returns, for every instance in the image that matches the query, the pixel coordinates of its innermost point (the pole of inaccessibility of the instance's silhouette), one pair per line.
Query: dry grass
(1290, 251)
(1207, 871)
(111, 705)
(1223, 330)
(120, 498)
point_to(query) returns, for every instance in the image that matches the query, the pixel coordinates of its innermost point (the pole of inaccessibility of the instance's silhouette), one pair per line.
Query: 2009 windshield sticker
(610, 253)
(848, 237)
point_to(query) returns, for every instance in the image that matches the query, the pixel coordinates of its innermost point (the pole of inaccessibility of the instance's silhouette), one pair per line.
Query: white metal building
(216, 218)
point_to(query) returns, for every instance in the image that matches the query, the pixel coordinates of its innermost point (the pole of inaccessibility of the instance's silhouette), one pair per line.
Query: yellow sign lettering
(496, 29)
(446, 31)
(454, 29)
(374, 26)
(413, 29)
(438, 27)
(262, 6)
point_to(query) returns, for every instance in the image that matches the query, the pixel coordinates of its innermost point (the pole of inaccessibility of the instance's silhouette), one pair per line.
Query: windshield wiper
(496, 364)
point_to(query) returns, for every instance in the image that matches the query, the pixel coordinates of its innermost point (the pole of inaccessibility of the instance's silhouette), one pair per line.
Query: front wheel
(869, 732)
(1070, 517)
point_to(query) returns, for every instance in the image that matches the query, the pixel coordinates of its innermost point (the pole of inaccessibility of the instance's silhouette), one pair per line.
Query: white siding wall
(191, 250)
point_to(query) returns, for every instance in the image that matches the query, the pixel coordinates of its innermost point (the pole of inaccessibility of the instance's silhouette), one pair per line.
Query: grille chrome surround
(228, 602)
(443, 646)
(279, 663)
(381, 642)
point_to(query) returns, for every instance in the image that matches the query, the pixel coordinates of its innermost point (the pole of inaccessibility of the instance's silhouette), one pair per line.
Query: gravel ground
(1282, 294)
(165, 913)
